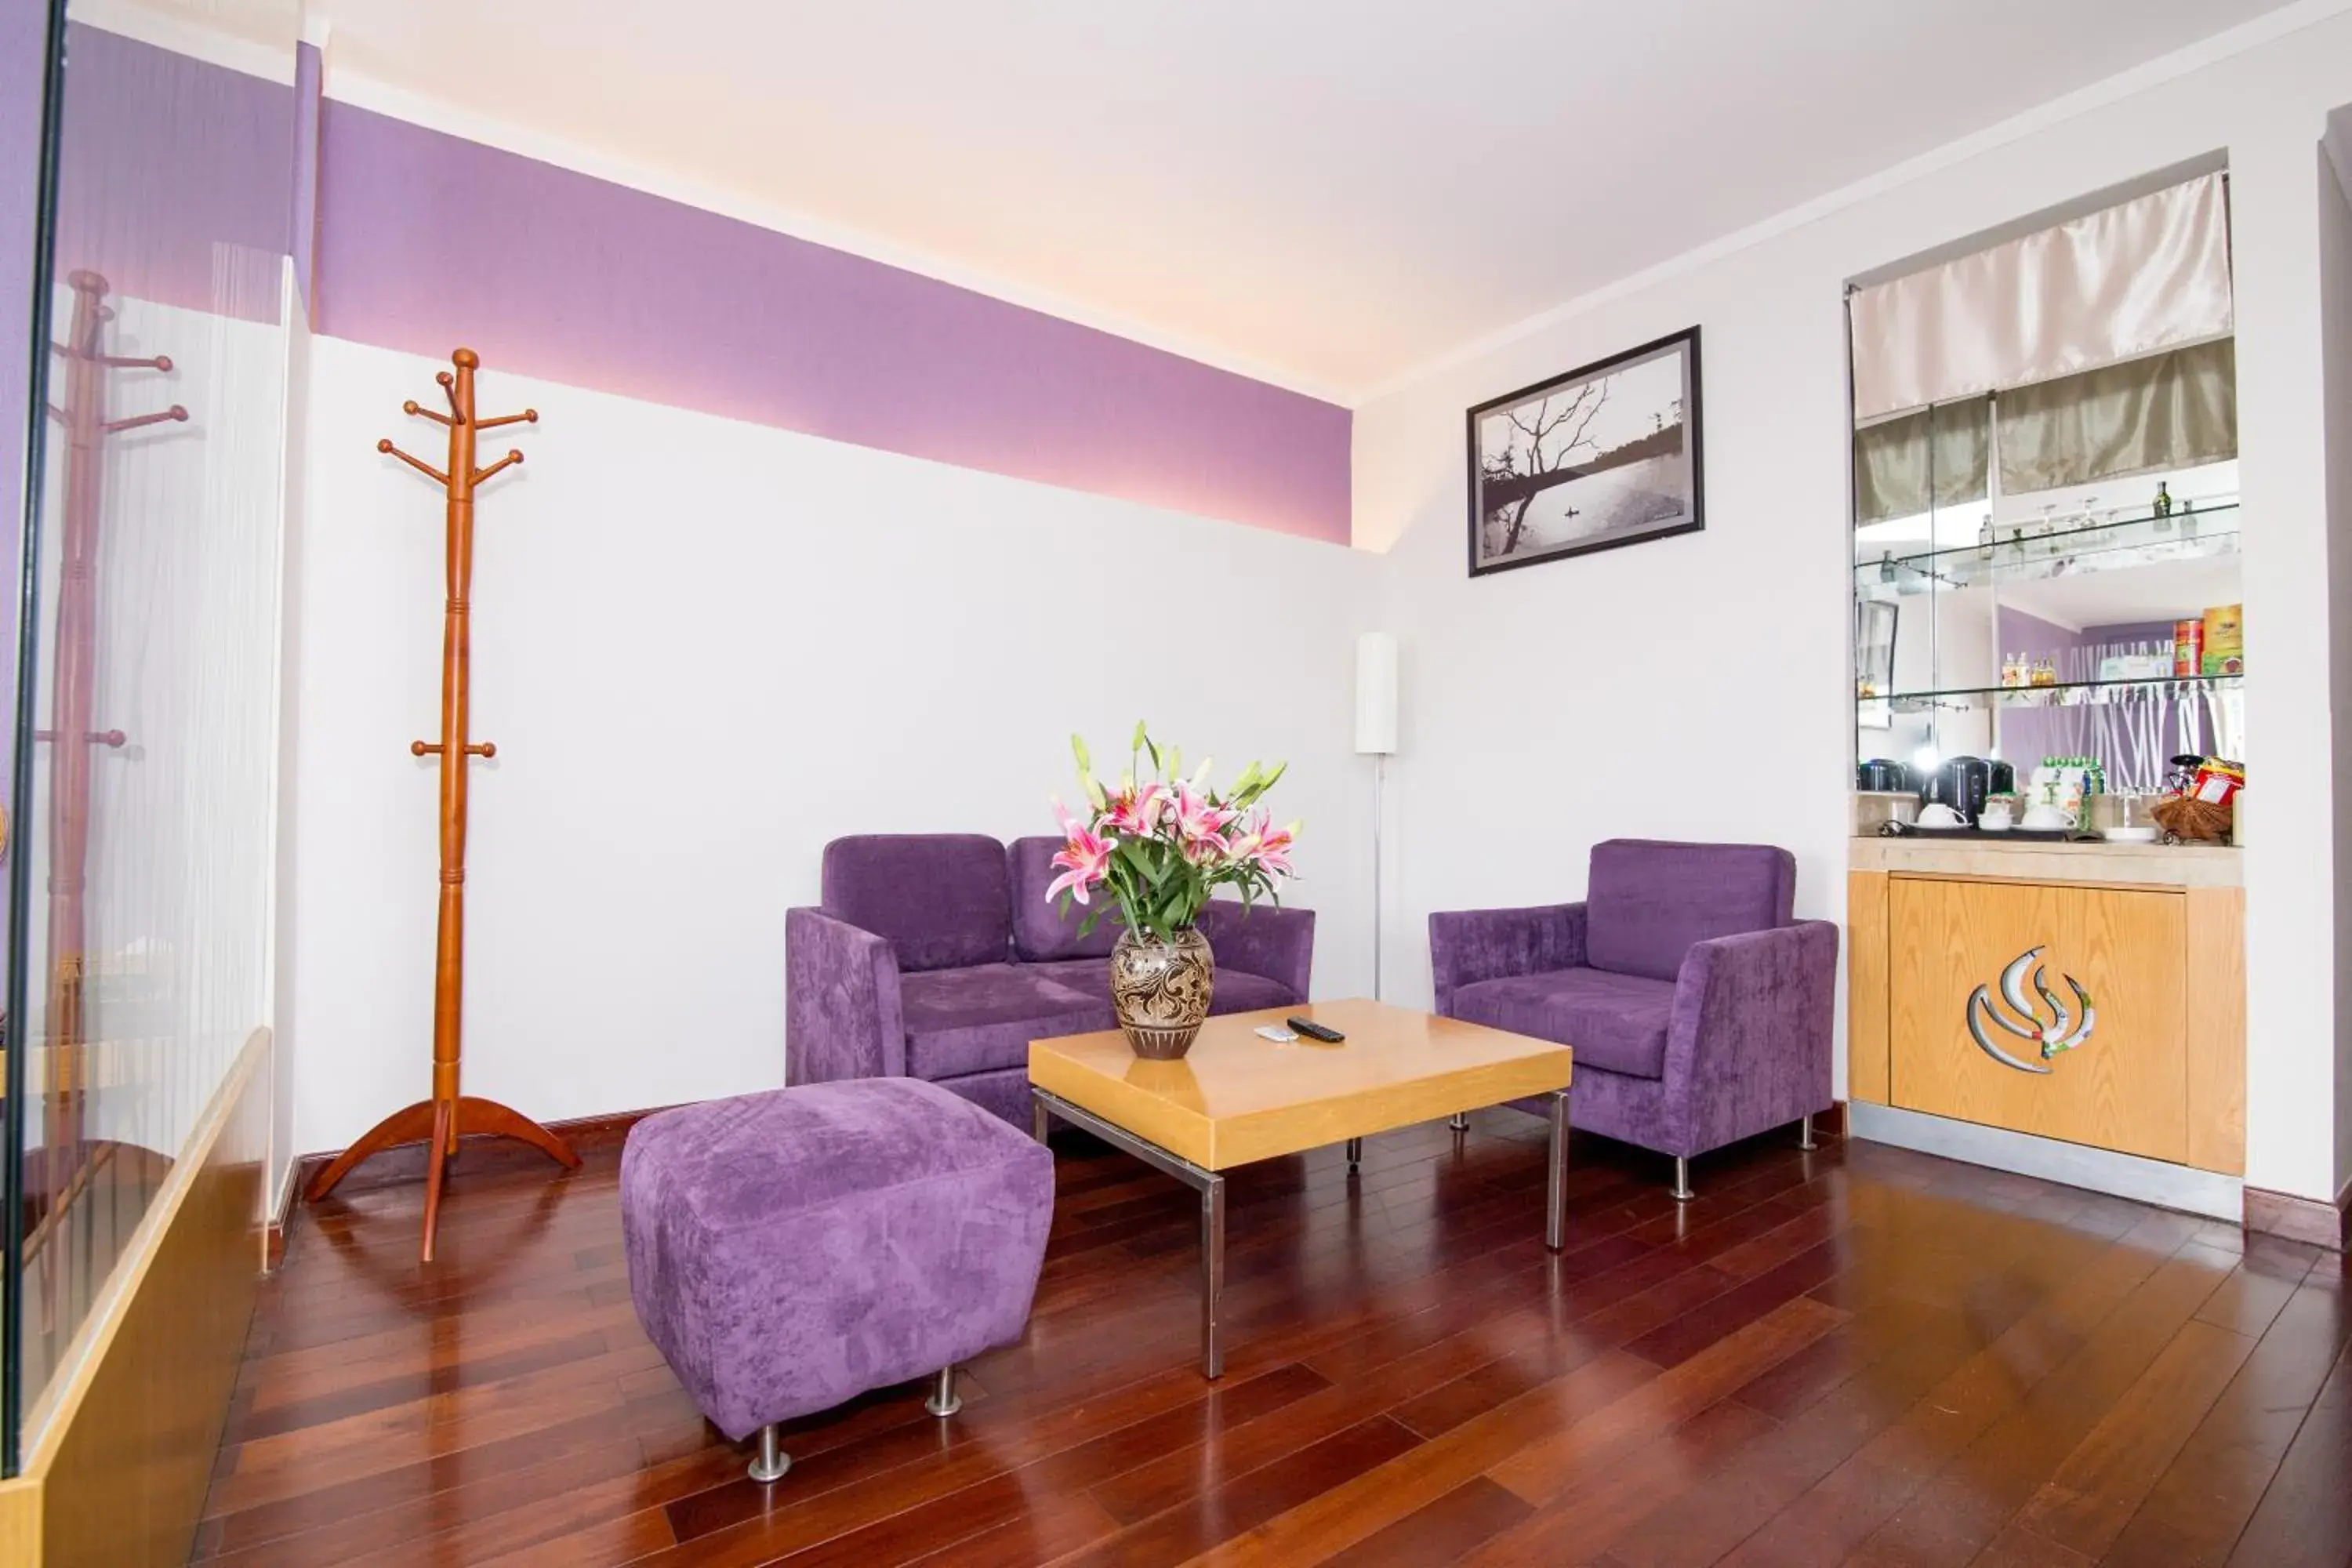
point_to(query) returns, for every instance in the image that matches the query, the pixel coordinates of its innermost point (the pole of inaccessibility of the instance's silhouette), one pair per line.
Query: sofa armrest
(1467, 946)
(842, 1018)
(1263, 939)
(1748, 1045)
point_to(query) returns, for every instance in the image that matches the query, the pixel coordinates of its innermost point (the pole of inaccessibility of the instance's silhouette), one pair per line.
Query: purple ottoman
(790, 1250)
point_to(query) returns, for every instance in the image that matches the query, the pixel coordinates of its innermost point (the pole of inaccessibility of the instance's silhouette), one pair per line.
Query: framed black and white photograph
(1603, 456)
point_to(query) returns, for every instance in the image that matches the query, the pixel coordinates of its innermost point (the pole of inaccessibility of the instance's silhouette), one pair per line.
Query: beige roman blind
(2127, 282)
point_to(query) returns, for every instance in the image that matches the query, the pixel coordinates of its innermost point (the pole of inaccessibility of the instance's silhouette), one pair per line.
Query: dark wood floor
(1861, 1355)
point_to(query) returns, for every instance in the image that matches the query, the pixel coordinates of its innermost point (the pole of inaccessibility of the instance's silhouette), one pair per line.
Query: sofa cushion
(1041, 931)
(981, 1019)
(941, 899)
(1239, 991)
(1648, 901)
(1235, 991)
(1614, 1022)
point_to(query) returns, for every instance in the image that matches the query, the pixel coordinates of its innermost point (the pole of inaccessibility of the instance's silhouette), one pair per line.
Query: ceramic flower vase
(1159, 991)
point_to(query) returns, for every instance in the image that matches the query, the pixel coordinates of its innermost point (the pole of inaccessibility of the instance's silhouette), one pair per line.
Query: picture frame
(1601, 456)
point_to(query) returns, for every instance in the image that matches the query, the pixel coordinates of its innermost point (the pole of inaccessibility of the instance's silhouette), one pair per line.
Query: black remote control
(1315, 1031)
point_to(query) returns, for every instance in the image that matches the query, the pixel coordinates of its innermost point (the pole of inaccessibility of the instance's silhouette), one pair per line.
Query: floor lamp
(1376, 737)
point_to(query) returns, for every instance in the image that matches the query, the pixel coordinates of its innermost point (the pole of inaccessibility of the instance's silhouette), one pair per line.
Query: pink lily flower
(1266, 845)
(1197, 819)
(1085, 860)
(1135, 811)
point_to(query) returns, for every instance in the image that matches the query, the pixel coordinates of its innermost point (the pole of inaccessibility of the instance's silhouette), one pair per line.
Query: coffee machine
(1962, 783)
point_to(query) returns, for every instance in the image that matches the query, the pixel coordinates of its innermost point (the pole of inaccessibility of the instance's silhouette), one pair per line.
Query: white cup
(1995, 818)
(1936, 814)
(2048, 818)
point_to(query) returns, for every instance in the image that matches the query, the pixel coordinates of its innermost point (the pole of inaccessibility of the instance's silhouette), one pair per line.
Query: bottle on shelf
(2163, 499)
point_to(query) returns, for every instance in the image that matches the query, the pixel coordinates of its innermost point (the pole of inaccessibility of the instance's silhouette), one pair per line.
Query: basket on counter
(2188, 820)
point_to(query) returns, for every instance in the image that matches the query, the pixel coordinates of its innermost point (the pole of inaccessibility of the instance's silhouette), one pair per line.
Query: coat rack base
(440, 1123)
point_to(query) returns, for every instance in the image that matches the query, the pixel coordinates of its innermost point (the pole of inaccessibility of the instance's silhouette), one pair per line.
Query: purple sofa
(790, 1250)
(1699, 1009)
(936, 956)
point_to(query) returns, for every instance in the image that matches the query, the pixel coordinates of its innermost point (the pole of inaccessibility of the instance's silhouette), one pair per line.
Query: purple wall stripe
(164, 159)
(24, 54)
(427, 241)
(303, 235)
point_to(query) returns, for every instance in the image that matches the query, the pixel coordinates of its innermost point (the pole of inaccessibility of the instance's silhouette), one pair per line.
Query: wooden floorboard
(1861, 1355)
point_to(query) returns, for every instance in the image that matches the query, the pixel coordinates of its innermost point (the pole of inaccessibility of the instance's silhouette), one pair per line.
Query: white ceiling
(1331, 191)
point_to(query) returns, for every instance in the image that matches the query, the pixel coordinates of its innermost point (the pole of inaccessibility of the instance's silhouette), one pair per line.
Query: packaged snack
(2217, 781)
(2225, 640)
(2188, 647)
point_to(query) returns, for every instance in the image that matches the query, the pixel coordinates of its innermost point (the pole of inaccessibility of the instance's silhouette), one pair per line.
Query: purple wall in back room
(427, 241)
(24, 39)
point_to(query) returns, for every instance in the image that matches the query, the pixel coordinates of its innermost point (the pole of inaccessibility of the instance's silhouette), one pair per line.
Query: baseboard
(2157, 1182)
(2314, 1222)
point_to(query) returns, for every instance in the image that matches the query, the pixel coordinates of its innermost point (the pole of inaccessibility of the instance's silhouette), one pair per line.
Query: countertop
(2148, 865)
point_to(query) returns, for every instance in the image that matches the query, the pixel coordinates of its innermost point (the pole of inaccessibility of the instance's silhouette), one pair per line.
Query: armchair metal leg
(1805, 1139)
(772, 1461)
(944, 1401)
(1682, 1193)
(1355, 1154)
(1461, 1122)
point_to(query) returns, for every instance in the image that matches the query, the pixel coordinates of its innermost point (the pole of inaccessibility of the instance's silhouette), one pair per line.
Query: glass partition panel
(146, 717)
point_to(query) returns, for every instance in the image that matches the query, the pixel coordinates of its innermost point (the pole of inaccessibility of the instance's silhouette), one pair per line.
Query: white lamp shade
(1376, 693)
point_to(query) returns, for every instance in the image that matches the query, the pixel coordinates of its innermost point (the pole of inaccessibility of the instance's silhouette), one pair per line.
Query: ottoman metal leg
(1355, 1155)
(772, 1461)
(1213, 1274)
(1556, 1175)
(1682, 1193)
(944, 1401)
(1805, 1135)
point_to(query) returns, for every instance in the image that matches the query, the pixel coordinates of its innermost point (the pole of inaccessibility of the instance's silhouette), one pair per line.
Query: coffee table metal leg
(1040, 1119)
(1208, 1183)
(1213, 1275)
(1355, 1154)
(1556, 1175)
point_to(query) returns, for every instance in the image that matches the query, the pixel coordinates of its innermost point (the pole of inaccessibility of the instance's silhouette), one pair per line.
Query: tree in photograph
(1555, 431)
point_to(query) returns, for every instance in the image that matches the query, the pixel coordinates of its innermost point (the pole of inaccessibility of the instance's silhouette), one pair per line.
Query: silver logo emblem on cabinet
(2056, 1030)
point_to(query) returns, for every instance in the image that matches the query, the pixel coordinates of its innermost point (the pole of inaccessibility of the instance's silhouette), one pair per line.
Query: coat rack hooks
(439, 1122)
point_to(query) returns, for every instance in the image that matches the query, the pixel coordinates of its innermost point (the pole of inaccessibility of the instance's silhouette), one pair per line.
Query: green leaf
(1078, 750)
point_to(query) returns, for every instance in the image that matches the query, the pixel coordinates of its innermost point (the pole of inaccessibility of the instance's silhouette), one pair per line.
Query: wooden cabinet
(2074, 959)
(2101, 1014)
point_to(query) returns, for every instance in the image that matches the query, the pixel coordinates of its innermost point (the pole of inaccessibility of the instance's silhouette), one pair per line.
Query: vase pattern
(1159, 991)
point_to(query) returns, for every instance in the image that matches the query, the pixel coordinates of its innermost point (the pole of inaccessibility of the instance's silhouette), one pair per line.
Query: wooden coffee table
(1237, 1096)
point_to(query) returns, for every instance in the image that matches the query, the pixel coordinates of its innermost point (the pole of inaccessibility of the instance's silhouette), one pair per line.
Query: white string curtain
(2119, 284)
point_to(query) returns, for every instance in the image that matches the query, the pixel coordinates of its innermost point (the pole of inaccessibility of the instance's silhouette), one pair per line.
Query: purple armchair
(1699, 1010)
(936, 956)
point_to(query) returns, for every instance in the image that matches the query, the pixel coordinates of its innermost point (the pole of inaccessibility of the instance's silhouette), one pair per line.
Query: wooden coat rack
(448, 1116)
(68, 1160)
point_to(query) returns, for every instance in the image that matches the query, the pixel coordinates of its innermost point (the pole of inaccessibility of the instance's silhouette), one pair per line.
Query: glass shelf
(2021, 555)
(2066, 694)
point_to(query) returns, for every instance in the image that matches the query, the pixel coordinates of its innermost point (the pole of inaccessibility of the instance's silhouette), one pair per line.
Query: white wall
(704, 648)
(1696, 687)
(2335, 320)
